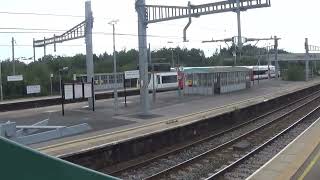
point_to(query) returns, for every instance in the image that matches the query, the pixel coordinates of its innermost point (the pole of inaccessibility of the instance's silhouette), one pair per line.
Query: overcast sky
(290, 20)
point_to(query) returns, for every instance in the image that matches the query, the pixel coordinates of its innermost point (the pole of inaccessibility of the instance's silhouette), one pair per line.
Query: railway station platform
(168, 111)
(298, 160)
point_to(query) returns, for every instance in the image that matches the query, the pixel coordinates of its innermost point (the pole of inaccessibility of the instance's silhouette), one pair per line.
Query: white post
(143, 56)
(13, 61)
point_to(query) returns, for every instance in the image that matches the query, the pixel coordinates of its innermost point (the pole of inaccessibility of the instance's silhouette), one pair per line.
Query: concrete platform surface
(291, 162)
(26, 99)
(310, 170)
(169, 111)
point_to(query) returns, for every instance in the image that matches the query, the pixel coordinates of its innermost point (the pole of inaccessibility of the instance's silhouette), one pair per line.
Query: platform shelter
(215, 80)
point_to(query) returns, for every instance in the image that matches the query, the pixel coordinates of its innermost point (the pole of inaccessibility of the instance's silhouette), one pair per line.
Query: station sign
(33, 89)
(132, 74)
(77, 91)
(73, 91)
(68, 91)
(14, 78)
(87, 90)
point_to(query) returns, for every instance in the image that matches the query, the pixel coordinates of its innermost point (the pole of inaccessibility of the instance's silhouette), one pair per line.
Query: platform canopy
(215, 79)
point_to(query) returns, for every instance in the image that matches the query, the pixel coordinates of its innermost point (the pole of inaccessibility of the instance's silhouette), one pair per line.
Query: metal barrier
(19, 162)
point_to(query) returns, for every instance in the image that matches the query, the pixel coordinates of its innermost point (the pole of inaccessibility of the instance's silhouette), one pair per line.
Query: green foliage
(38, 73)
(295, 73)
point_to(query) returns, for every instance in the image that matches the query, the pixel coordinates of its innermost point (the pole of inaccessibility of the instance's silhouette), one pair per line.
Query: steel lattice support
(164, 13)
(314, 48)
(76, 32)
(309, 48)
(233, 40)
(82, 30)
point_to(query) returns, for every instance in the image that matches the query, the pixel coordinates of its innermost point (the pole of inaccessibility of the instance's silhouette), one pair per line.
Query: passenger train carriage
(170, 80)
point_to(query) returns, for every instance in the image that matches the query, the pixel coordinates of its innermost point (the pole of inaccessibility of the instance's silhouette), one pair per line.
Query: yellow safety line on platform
(310, 166)
(151, 124)
(164, 121)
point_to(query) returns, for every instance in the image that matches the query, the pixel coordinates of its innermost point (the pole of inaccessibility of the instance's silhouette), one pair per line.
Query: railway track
(248, 164)
(199, 159)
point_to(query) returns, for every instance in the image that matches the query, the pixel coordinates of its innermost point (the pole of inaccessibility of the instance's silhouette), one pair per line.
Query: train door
(217, 85)
(154, 81)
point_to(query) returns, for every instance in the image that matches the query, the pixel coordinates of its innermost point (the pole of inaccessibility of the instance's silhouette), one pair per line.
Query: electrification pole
(276, 56)
(44, 47)
(88, 39)
(34, 51)
(269, 62)
(115, 89)
(307, 59)
(148, 14)
(51, 88)
(154, 91)
(143, 56)
(13, 61)
(239, 26)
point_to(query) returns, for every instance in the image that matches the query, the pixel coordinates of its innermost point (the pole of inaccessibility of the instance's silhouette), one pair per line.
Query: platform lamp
(62, 70)
(177, 68)
(172, 60)
(115, 89)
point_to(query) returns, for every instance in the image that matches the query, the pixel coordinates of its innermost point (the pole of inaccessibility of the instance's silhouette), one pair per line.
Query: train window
(119, 78)
(111, 79)
(260, 72)
(169, 79)
(158, 79)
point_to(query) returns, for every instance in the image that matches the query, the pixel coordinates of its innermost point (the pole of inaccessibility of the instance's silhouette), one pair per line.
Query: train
(170, 80)
(262, 72)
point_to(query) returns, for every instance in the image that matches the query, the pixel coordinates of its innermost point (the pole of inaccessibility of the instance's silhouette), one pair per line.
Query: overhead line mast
(82, 30)
(148, 14)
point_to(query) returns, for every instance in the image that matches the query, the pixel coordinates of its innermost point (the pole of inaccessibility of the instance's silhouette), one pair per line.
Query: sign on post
(129, 75)
(14, 78)
(68, 91)
(132, 74)
(87, 90)
(33, 89)
(77, 91)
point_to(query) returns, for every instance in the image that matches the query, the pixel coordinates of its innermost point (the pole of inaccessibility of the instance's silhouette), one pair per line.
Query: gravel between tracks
(174, 159)
(249, 166)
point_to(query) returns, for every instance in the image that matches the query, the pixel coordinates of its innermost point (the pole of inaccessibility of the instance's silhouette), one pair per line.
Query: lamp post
(172, 60)
(64, 69)
(115, 89)
(51, 76)
(179, 74)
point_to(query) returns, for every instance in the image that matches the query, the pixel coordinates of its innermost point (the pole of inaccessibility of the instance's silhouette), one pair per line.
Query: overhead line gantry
(81, 30)
(148, 14)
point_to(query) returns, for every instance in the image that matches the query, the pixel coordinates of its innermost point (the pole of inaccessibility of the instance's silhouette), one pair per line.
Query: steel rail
(258, 149)
(195, 143)
(189, 161)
